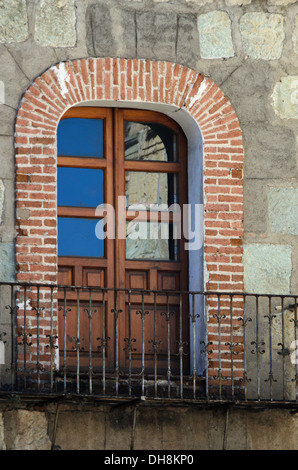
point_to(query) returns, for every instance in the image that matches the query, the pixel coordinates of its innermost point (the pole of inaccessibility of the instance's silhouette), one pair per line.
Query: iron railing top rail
(149, 291)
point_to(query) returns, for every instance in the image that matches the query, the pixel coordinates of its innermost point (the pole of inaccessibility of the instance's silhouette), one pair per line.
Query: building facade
(210, 89)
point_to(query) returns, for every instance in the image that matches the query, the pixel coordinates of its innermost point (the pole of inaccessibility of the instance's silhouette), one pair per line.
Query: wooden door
(140, 170)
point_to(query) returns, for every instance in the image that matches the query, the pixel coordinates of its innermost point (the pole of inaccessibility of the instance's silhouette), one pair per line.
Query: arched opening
(215, 161)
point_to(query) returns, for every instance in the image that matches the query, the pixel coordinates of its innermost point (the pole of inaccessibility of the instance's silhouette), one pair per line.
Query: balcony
(150, 345)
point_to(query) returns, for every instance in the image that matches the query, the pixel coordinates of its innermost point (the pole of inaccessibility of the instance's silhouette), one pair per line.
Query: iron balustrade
(93, 341)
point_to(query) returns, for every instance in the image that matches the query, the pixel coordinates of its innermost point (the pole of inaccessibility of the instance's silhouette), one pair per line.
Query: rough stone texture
(55, 23)
(188, 51)
(255, 77)
(255, 206)
(215, 35)
(112, 30)
(237, 2)
(13, 21)
(270, 151)
(2, 191)
(26, 430)
(262, 35)
(281, 2)
(7, 262)
(285, 97)
(283, 210)
(295, 35)
(267, 268)
(156, 35)
(2, 442)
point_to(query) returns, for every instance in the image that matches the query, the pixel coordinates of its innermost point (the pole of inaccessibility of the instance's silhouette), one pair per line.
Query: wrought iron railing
(115, 343)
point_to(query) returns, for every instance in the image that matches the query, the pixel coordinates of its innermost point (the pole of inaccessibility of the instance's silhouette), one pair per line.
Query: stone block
(13, 21)
(110, 32)
(55, 23)
(283, 210)
(26, 430)
(267, 268)
(215, 35)
(188, 51)
(285, 97)
(7, 262)
(269, 151)
(156, 35)
(262, 35)
(295, 35)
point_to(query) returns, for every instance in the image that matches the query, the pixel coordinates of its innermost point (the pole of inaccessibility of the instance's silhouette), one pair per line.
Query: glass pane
(149, 189)
(76, 237)
(80, 187)
(150, 240)
(149, 141)
(79, 137)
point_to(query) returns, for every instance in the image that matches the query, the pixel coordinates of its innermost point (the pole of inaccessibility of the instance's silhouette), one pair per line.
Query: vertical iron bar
(155, 348)
(295, 336)
(116, 344)
(129, 344)
(103, 343)
(64, 341)
(257, 347)
(206, 353)
(219, 346)
(193, 319)
(38, 339)
(78, 341)
(25, 338)
(169, 347)
(90, 342)
(244, 348)
(143, 346)
(51, 340)
(283, 345)
(181, 346)
(232, 345)
(14, 355)
(270, 347)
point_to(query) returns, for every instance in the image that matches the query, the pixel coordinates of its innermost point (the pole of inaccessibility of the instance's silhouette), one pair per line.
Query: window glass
(79, 137)
(77, 237)
(150, 240)
(149, 141)
(149, 189)
(80, 187)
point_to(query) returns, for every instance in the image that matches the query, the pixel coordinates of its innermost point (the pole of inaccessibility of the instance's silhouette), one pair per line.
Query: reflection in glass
(149, 141)
(150, 189)
(79, 137)
(80, 187)
(150, 240)
(76, 237)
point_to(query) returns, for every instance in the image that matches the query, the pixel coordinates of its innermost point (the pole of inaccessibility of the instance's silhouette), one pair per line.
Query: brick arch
(131, 80)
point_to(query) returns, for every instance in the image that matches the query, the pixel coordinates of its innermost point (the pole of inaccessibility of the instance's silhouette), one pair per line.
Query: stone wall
(129, 427)
(248, 47)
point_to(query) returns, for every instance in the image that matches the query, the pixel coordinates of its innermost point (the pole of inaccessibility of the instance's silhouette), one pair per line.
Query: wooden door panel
(167, 318)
